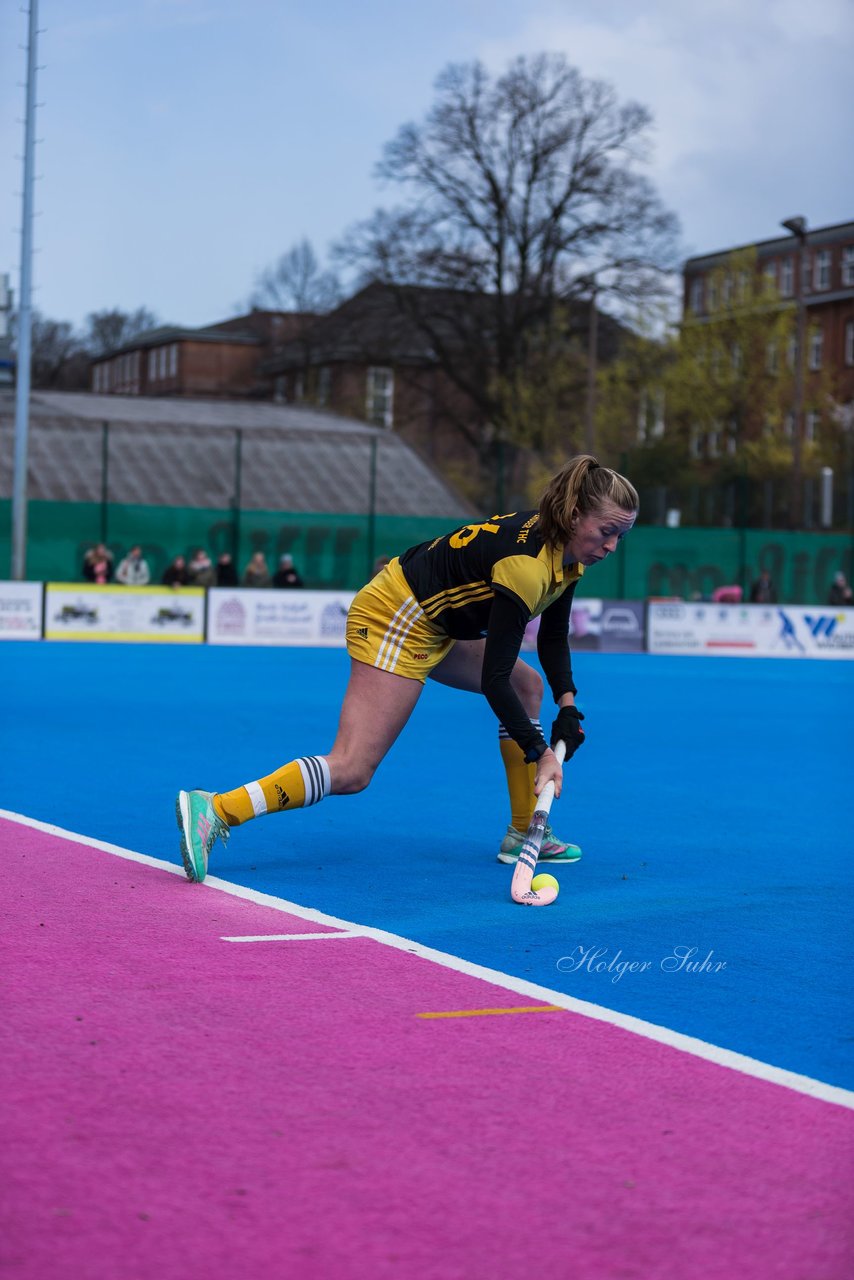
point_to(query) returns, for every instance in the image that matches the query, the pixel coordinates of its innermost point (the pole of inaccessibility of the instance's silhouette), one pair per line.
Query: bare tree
(523, 195)
(59, 356)
(297, 282)
(106, 331)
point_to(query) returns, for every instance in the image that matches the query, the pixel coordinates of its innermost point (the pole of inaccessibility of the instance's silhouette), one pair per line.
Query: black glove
(568, 726)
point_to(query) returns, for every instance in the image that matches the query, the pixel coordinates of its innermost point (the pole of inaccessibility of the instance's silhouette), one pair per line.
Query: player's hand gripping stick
(523, 872)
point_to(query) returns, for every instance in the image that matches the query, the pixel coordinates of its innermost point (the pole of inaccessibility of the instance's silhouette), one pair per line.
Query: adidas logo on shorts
(362, 632)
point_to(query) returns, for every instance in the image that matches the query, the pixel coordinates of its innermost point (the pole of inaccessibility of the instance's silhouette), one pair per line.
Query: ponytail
(581, 485)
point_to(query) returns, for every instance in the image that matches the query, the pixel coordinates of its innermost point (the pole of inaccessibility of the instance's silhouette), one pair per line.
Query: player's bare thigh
(463, 666)
(376, 706)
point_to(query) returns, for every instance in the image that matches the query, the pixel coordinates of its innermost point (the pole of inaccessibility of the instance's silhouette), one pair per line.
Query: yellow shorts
(387, 628)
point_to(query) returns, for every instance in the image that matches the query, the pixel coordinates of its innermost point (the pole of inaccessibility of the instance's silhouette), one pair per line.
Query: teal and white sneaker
(551, 850)
(200, 826)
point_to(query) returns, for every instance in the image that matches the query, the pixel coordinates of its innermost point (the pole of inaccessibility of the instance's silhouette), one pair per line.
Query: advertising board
(751, 630)
(79, 611)
(21, 610)
(270, 617)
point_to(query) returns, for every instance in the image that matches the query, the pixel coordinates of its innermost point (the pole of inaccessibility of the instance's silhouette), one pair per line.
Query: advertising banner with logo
(277, 617)
(82, 612)
(609, 626)
(21, 610)
(751, 630)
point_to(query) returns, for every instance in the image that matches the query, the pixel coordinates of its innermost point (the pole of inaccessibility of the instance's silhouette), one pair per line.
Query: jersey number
(464, 536)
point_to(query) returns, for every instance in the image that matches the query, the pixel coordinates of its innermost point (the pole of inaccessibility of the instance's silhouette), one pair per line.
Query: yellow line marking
(478, 1013)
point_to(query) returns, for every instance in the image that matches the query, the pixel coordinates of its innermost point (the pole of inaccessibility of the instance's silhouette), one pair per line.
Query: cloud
(731, 86)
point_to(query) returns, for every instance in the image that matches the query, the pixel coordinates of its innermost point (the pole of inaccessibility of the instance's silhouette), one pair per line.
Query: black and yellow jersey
(490, 579)
(454, 578)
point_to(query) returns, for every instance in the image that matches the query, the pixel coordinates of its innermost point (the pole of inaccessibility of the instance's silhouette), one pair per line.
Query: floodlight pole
(25, 317)
(798, 228)
(592, 353)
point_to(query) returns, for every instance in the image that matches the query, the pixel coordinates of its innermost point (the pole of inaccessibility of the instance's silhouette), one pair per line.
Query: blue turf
(712, 799)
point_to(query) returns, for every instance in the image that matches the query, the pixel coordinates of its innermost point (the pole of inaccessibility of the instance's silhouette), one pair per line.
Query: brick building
(379, 357)
(223, 359)
(827, 291)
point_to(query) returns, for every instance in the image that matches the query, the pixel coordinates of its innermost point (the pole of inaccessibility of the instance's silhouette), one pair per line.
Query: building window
(697, 296)
(811, 426)
(816, 348)
(770, 274)
(324, 385)
(173, 360)
(771, 357)
(726, 290)
(806, 273)
(380, 396)
(787, 278)
(161, 362)
(711, 296)
(789, 426)
(848, 264)
(821, 269)
(152, 366)
(849, 342)
(791, 352)
(280, 390)
(714, 444)
(735, 356)
(299, 386)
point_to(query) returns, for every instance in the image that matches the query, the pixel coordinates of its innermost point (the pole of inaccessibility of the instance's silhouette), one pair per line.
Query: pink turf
(177, 1106)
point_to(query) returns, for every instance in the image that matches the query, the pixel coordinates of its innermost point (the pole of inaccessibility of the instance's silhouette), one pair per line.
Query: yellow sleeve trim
(526, 577)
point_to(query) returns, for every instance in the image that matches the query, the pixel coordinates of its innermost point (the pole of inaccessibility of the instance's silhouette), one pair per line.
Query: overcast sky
(187, 143)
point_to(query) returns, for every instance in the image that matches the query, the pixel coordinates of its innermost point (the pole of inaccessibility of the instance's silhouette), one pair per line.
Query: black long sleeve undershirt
(508, 618)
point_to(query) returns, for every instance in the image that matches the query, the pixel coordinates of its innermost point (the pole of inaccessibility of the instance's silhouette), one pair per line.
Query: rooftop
(179, 452)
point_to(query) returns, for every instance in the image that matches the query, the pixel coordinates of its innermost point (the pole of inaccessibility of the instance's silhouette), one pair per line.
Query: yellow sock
(295, 785)
(520, 781)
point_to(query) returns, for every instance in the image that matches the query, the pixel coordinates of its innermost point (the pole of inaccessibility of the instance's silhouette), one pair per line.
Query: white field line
(294, 937)
(649, 1030)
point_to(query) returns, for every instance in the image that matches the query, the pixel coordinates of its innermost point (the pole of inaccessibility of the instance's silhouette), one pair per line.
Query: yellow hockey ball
(544, 881)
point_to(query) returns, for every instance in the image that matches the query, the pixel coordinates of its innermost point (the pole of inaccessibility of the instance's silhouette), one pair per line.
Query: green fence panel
(338, 551)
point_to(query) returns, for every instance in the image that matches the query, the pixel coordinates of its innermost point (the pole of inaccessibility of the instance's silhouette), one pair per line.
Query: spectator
(256, 573)
(763, 590)
(286, 575)
(133, 570)
(380, 563)
(840, 590)
(176, 575)
(200, 570)
(226, 574)
(98, 564)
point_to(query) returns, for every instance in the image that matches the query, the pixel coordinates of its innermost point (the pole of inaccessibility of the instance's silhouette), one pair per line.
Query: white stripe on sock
(256, 795)
(502, 732)
(315, 777)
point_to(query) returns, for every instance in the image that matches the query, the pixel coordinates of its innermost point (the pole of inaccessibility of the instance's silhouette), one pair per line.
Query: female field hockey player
(454, 609)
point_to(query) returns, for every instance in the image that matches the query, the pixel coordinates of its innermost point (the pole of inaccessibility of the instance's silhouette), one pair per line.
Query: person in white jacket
(133, 571)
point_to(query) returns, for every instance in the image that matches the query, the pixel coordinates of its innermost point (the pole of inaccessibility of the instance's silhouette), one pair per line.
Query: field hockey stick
(523, 872)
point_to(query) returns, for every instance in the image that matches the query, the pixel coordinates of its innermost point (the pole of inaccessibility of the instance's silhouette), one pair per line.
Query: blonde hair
(581, 486)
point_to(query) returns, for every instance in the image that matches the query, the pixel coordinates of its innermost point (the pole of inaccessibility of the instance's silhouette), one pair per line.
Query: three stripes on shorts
(396, 632)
